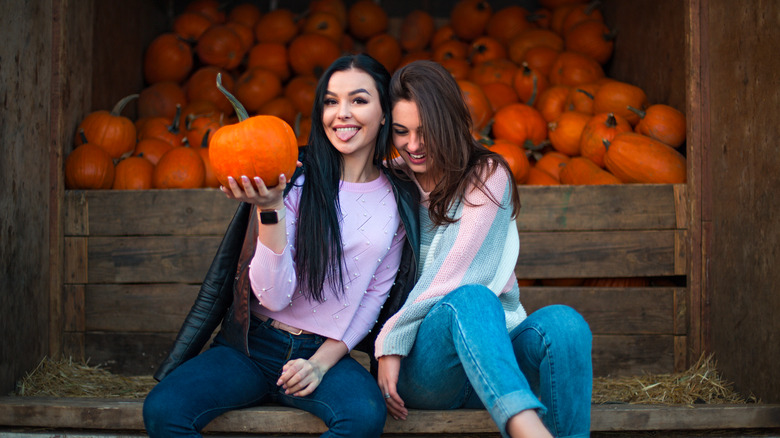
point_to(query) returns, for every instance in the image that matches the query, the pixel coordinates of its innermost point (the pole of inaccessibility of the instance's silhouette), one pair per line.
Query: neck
(426, 181)
(359, 170)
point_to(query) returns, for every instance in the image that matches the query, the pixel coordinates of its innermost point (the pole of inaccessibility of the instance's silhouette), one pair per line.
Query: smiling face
(352, 113)
(408, 139)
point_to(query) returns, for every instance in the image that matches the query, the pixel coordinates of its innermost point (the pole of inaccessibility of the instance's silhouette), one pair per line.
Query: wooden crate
(135, 260)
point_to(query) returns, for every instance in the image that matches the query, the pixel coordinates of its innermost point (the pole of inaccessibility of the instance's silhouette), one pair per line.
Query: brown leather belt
(282, 326)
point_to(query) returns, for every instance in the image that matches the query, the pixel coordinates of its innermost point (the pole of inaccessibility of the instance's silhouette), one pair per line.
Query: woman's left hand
(300, 377)
(258, 193)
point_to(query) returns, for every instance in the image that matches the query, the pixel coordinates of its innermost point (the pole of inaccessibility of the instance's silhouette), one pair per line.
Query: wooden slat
(623, 355)
(75, 213)
(138, 307)
(149, 259)
(604, 207)
(129, 354)
(159, 212)
(76, 255)
(126, 415)
(584, 254)
(611, 310)
(73, 307)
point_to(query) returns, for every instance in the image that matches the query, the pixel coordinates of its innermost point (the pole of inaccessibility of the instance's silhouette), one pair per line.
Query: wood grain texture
(138, 307)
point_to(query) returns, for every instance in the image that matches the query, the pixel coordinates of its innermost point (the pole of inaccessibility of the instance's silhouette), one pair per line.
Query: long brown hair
(454, 155)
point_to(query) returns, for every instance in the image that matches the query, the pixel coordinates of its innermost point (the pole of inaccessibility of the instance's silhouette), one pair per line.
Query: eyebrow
(351, 93)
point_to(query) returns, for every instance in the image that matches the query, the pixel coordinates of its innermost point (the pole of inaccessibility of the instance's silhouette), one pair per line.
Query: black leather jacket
(224, 294)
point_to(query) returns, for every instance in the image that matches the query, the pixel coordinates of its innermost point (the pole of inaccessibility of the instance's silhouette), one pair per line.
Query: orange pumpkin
(312, 54)
(417, 29)
(469, 18)
(565, 132)
(262, 146)
(257, 86)
(247, 14)
(210, 178)
(477, 102)
(661, 122)
(277, 26)
(111, 131)
(415, 56)
(89, 166)
(506, 23)
(280, 106)
(198, 125)
(302, 130)
(190, 25)
(529, 84)
(591, 38)
(538, 177)
(385, 49)
(165, 129)
(635, 158)
(201, 86)
(336, 7)
(365, 19)
(160, 99)
(580, 98)
(572, 69)
(459, 68)
(521, 124)
(598, 132)
(582, 171)
(540, 58)
(210, 8)
(486, 48)
(325, 24)
(552, 102)
(551, 163)
(579, 14)
(180, 168)
(245, 34)
(221, 47)
(450, 49)
(301, 90)
(515, 157)
(133, 173)
(270, 56)
(499, 95)
(442, 34)
(533, 37)
(616, 97)
(152, 149)
(495, 70)
(167, 58)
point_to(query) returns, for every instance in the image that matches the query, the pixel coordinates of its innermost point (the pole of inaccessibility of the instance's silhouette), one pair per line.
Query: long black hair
(318, 244)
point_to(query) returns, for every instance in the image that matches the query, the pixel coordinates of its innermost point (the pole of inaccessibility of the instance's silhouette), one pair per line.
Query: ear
(383, 121)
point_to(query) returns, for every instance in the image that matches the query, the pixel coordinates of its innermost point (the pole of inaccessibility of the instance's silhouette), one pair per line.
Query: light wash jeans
(222, 379)
(464, 358)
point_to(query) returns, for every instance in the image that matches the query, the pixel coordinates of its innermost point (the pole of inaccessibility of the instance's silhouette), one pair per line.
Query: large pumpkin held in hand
(263, 146)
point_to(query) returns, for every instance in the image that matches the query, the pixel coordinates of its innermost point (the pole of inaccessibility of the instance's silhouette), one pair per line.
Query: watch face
(269, 217)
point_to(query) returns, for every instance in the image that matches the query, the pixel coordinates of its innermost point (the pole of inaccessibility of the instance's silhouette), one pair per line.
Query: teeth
(346, 129)
(417, 157)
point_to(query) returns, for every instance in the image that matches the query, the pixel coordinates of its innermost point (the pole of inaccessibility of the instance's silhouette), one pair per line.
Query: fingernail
(244, 178)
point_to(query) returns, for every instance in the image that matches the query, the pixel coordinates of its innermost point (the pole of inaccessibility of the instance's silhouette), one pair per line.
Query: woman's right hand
(387, 378)
(264, 197)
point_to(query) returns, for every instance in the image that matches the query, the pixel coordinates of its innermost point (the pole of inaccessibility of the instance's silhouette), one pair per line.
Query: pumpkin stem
(239, 109)
(591, 6)
(529, 145)
(83, 136)
(606, 143)
(585, 93)
(205, 142)
(174, 128)
(532, 99)
(611, 121)
(121, 104)
(639, 112)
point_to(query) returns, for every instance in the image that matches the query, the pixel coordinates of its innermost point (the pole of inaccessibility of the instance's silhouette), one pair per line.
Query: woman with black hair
(301, 276)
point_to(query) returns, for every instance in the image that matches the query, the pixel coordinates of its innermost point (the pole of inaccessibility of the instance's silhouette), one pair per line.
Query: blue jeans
(464, 358)
(222, 379)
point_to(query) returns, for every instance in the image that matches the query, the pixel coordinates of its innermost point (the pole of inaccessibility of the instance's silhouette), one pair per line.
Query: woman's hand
(300, 377)
(264, 197)
(387, 377)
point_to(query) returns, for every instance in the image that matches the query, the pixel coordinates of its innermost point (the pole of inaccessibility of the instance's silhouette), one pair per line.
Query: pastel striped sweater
(480, 248)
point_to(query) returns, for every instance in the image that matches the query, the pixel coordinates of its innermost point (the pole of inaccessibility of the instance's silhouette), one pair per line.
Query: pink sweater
(372, 235)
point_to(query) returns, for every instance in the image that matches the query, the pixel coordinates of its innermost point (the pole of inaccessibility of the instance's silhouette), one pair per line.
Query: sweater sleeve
(272, 276)
(376, 292)
(466, 252)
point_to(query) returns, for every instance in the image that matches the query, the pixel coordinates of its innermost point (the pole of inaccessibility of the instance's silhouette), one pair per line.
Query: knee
(158, 412)
(366, 419)
(568, 323)
(473, 296)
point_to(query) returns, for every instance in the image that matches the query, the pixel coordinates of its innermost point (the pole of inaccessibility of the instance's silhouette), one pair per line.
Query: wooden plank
(744, 159)
(75, 213)
(129, 354)
(73, 345)
(596, 254)
(126, 415)
(73, 307)
(629, 355)
(159, 212)
(149, 259)
(138, 307)
(604, 207)
(611, 310)
(75, 257)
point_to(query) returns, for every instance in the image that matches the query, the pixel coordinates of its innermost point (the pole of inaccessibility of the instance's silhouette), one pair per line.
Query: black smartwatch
(269, 217)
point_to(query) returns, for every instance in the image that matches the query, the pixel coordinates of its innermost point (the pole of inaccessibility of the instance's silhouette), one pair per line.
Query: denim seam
(550, 360)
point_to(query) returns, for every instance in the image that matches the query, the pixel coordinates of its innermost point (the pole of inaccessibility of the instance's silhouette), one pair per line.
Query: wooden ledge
(126, 415)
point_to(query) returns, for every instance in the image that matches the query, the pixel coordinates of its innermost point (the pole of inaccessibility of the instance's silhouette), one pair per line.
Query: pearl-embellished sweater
(480, 248)
(372, 235)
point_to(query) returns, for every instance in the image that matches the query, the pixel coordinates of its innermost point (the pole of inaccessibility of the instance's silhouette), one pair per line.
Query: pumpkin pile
(533, 80)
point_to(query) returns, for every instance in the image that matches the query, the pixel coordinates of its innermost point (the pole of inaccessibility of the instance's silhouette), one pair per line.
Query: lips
(346, 133)
(416, 158)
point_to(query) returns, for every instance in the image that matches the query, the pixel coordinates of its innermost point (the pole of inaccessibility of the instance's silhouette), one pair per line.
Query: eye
(400, 131)
(329, 101)
(360, 101)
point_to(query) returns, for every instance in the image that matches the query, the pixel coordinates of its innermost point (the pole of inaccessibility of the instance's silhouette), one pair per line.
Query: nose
(345, 111)
(415, 141)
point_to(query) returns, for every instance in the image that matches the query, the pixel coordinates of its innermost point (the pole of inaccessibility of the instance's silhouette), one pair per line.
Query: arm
(467, 252)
